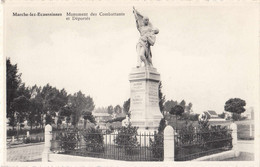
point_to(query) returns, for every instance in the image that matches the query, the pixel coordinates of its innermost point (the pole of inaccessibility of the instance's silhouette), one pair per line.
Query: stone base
(144, 106)
(45, 156)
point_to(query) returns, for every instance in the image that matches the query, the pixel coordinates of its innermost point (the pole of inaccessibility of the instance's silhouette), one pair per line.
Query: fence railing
(139, 147)
(192, 145)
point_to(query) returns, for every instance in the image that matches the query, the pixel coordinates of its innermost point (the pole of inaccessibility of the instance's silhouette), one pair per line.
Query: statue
(147, 39)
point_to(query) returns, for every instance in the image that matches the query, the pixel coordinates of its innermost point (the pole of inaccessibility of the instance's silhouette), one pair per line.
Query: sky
(205, 54)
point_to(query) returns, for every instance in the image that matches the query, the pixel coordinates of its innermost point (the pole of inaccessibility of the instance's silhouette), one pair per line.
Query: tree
(48, 119)
(183, 104)
(47, 98)
(126, 107)
(66, 112)
(169, 104)
(88, 117)
(236, 117)
(189, 108)
(13, 80)
(80, 105)
(53, 99)
(222, 115)
(235, 106)
(87, 114)
(20, 105)
(161, 98)
(177, 111)
(162, 125)
(110, 109)
(35, 111)
(23, 91)
(117, 110)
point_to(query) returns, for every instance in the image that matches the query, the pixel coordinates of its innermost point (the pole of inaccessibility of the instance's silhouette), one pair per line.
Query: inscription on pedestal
(137, 94)
(153, 94)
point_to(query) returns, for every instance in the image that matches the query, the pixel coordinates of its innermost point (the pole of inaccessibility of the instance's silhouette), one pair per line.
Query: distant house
(249, 113)
(213, 116)
(101, 116)
(228, 115)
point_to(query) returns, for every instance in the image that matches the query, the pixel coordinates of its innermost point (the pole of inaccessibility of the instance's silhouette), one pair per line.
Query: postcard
(132, 83)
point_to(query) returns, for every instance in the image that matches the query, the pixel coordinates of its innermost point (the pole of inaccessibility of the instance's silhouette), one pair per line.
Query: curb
(24, 145)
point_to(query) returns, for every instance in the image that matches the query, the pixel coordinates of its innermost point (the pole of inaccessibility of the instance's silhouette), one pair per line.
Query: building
(212, 116)
(101, 116)
(249, 113)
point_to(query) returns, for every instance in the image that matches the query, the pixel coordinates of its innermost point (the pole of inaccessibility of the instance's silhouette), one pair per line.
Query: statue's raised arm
(138, 18)
(147, 39)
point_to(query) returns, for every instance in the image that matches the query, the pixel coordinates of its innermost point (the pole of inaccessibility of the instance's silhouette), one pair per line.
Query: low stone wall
(218, 156)
(71, 158)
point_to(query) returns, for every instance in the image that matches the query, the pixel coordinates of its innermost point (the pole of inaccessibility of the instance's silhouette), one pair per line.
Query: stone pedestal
(144, 106)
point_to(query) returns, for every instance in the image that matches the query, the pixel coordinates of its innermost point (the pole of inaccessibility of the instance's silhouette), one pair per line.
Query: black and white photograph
(121, 83)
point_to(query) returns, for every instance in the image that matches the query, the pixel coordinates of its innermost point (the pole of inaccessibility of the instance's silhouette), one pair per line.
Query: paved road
(25, 153)
(246, 148)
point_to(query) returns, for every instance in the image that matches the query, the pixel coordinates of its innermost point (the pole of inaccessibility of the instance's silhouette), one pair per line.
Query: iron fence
(192, 145)
(140, 147)
(108, 145)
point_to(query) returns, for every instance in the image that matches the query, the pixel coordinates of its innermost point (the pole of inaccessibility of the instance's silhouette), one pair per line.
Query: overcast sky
(205, 54)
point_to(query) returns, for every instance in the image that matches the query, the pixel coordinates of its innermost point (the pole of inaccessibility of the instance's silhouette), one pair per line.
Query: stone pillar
(47, 144)
(168, 143)
(144, 105)
(233, 127)
(27, 134)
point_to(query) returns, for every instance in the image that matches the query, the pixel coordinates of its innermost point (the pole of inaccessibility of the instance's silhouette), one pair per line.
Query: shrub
(127, 139)
(156, 145)
(187, 133)
(94, 140)
(162, 125)
(219, 132)
(69, 139)
(214, 132)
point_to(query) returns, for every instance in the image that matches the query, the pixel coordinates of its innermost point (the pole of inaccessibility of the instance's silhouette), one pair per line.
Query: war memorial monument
(144, 79)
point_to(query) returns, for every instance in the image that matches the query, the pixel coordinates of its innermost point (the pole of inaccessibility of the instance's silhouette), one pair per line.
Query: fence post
(47, 143)
(168, 143)
(28, 134)
(233, 127)
(250, 130)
